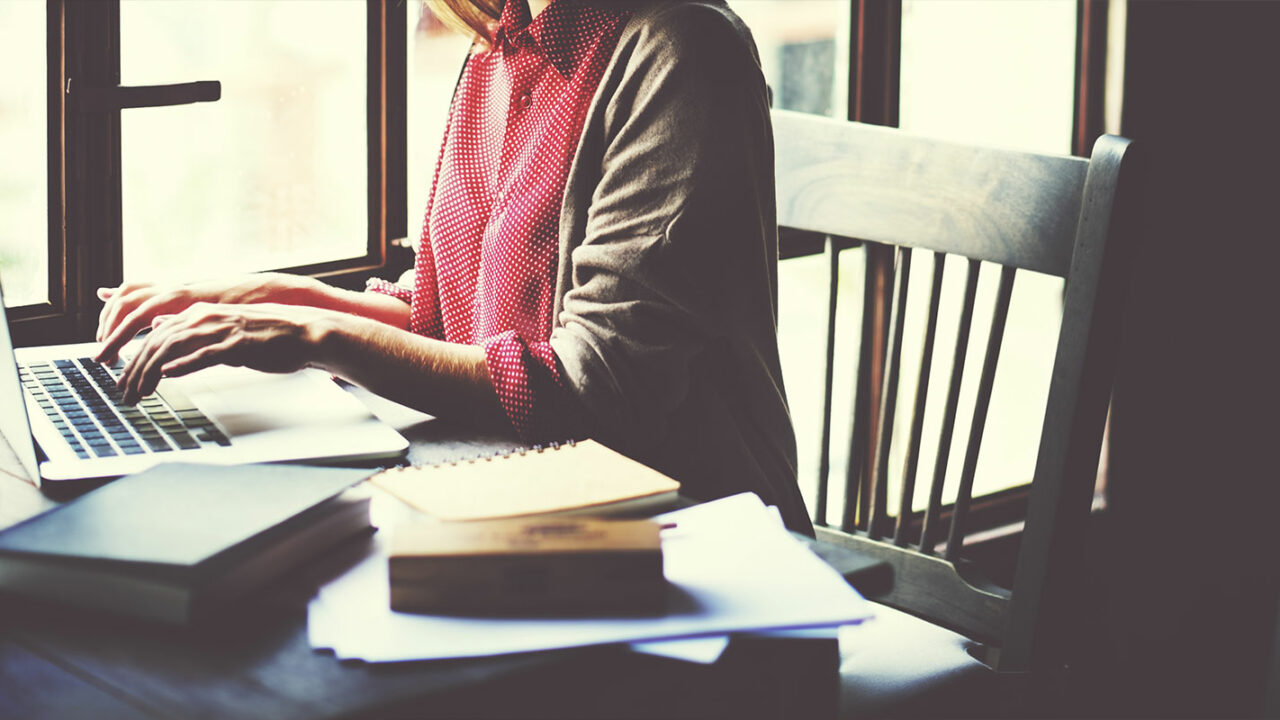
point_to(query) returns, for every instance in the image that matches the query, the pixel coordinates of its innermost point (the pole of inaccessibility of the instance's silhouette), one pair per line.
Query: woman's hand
(132, 307)
(439, 377)
(267, 337)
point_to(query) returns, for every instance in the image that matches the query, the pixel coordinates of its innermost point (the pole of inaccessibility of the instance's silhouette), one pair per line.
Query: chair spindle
(922, 394)
(888, 398)
(824, 458)
(878, 279)
(929, 533)
(955, 538)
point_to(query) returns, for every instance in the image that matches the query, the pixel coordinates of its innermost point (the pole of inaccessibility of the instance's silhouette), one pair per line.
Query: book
(551, 566)
(178, 542)
(575, 478)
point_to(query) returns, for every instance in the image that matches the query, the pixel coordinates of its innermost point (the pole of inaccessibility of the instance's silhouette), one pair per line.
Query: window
(299, 164)
(273, 174)
(803, 48)
(957, 83)
(436, 54)
(960, 80)
(24, 258)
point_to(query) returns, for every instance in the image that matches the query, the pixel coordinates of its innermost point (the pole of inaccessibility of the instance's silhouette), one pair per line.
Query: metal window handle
(107, 99)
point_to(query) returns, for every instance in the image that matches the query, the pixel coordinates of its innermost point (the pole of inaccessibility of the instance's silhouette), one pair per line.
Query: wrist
(332, 335)
(304, 290)
(273, 287)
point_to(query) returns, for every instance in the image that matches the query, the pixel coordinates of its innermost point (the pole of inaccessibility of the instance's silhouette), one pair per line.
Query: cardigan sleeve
(527, 381)
(679, 227)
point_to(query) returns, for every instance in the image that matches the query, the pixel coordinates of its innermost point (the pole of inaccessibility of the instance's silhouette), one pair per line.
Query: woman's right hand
(133, 307)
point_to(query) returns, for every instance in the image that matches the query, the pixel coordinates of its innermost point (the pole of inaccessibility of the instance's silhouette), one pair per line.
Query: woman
(599, 255)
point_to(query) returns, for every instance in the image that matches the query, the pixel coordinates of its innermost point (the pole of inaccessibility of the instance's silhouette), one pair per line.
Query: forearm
(437, 377)
(302, 290)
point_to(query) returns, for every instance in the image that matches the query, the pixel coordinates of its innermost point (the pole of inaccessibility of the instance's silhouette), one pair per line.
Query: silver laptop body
(222, 415)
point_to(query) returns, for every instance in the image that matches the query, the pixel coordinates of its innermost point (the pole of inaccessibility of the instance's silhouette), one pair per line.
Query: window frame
(51, 318)
(85, 242)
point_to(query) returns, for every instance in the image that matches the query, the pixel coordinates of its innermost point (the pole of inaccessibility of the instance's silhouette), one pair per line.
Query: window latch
(108, 99)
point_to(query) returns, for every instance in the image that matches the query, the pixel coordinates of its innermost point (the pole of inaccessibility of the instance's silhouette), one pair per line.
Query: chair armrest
(868, 575)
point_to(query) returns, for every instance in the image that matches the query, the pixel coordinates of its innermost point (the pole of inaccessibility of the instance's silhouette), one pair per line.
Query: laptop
(58, 396)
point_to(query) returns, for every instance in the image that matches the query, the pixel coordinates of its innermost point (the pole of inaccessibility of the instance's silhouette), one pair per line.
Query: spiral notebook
(579, 478)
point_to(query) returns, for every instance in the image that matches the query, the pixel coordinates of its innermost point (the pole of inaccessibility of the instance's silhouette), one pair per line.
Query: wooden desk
(58, 663)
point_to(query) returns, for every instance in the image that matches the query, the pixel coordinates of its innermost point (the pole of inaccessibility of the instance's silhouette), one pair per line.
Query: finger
(109, 316)
(105, 295)
(128, 380)
(131, 325)
(112, 310)
(148, 376)
(111, 345)
(173, 340)
(159, 320)
(121, 299)
(126, 373)
(145, 370)
(133, 378)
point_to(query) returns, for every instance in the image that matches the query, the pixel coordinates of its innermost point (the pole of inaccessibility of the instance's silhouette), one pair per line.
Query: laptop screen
(14, 424)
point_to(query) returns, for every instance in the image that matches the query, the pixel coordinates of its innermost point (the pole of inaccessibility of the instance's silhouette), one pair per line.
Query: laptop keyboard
(81, 400)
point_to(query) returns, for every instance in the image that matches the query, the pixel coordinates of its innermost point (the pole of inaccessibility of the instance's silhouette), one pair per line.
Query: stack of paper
(730, 564)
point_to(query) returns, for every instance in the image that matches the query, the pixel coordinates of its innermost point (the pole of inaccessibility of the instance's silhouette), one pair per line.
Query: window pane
(999, 73)
(804, 50)
(435, 59)
(24, 223)
(990, 71)
(275, 174)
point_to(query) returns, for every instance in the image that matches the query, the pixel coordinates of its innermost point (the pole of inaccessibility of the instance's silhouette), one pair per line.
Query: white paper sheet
(730, 565)
(707, 650)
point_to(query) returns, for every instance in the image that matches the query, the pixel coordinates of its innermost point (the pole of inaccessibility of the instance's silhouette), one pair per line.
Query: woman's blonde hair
(469, 17)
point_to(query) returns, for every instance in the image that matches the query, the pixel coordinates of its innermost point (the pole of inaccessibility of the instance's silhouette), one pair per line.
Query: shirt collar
(565, 31)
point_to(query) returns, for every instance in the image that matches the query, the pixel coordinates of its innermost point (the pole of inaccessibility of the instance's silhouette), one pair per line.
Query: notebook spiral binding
(490, 457)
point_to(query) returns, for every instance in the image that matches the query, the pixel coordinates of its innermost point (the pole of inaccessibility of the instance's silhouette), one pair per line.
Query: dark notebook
(180, 540)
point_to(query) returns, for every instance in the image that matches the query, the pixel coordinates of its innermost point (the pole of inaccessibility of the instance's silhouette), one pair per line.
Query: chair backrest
(1073, 218)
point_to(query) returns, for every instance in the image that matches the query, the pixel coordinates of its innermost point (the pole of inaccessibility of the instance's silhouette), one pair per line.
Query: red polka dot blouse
(486, 263)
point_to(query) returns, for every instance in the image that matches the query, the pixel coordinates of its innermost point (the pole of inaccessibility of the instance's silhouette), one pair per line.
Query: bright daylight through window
(24, 232)
(275, 174)
(993, 73)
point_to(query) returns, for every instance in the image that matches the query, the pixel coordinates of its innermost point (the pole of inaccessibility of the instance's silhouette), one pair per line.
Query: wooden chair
(999, 211)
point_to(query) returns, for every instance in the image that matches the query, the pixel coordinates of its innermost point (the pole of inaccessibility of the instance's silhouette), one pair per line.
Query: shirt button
(525, 101)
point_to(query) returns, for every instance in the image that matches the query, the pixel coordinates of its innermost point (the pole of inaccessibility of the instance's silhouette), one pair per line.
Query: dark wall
(1193, 470)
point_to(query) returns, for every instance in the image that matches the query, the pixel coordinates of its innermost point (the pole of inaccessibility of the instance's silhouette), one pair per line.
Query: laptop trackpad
(246, 402)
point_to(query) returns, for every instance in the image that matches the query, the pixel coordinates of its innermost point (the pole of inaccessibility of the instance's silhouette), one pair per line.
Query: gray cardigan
(666, 306)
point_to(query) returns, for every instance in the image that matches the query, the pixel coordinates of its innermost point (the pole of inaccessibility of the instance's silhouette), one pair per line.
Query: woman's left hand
(262, 336)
